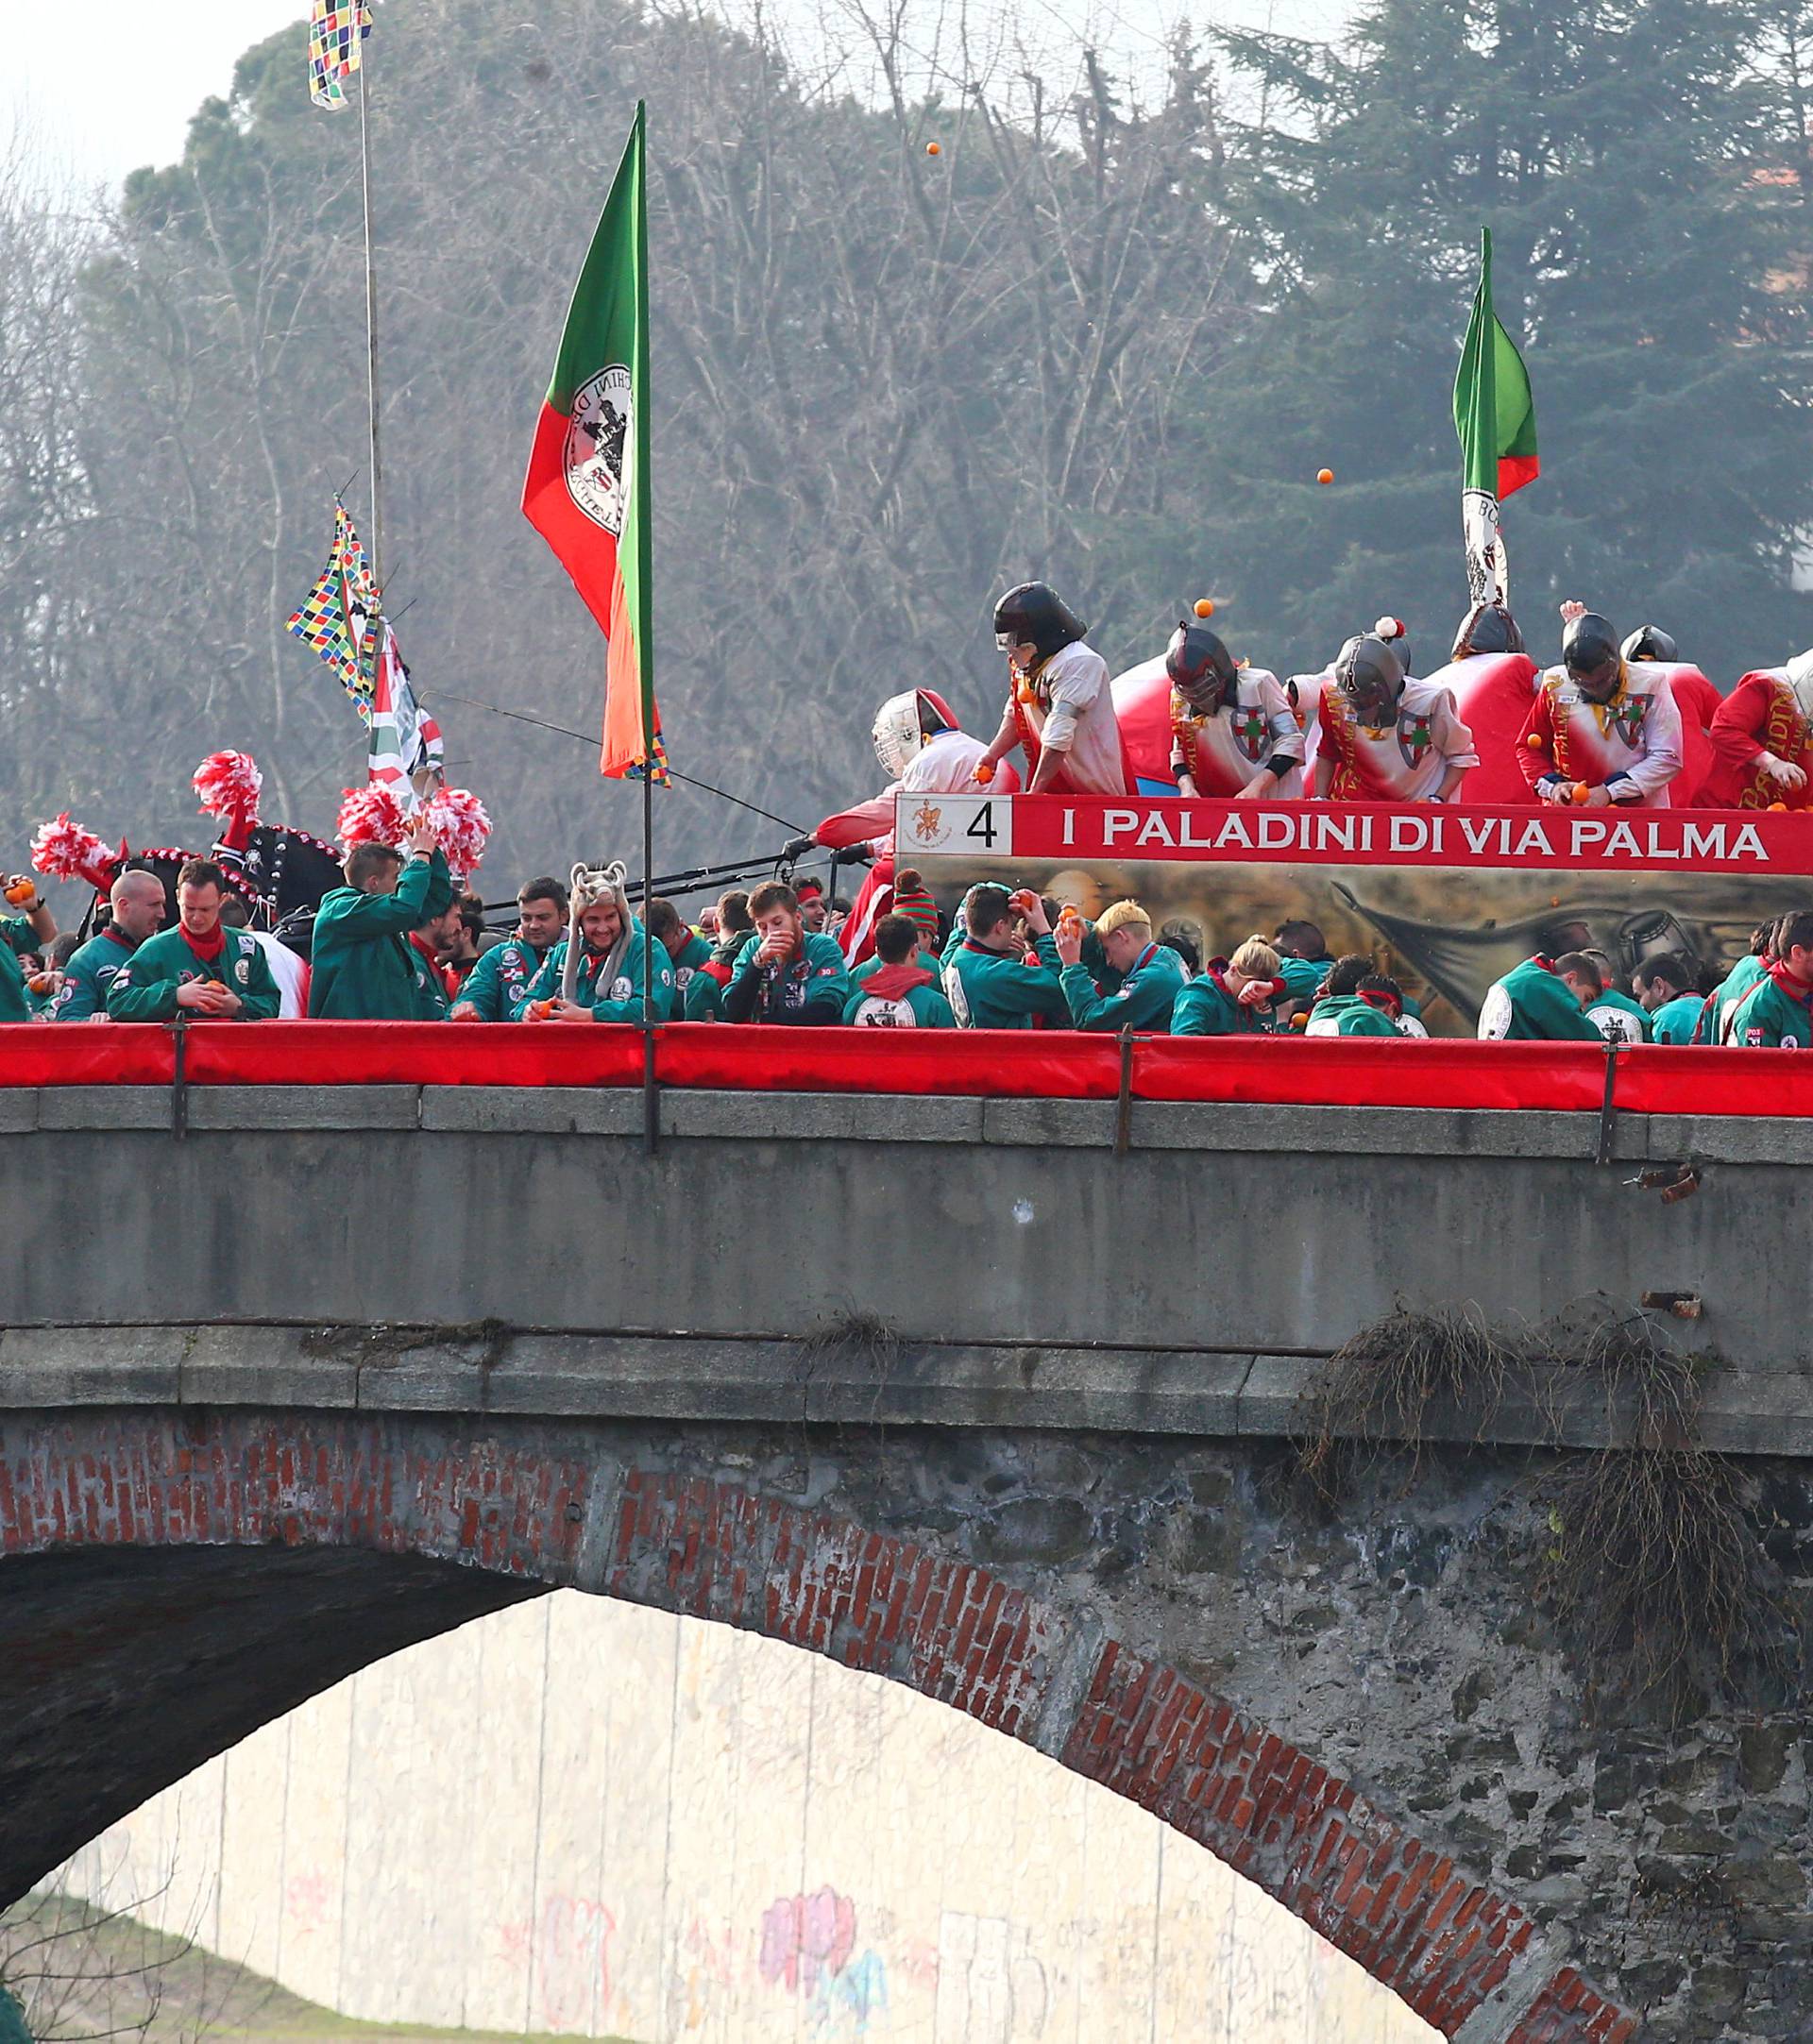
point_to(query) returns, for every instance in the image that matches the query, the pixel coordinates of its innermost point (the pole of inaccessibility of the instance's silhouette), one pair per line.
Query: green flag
(1496, 418)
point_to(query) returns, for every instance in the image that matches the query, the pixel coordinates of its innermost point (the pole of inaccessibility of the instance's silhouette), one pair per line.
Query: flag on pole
(336, 28)
(406, 752)
(587, 487)
(1496, 418)
(337, 615)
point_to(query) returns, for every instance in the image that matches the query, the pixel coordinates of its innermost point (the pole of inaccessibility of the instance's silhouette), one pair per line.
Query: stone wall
(580, 1817)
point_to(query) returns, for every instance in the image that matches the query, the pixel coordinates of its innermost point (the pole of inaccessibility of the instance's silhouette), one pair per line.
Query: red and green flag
(1496, 418)
(587, 489)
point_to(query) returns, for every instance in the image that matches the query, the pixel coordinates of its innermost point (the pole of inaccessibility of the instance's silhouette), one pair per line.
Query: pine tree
(1627, 155)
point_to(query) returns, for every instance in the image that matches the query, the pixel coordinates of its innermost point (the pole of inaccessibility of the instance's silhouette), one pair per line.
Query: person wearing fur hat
(1762, 741)
(605, 969)
(1150, 976)
(786, 972)
(362, 966)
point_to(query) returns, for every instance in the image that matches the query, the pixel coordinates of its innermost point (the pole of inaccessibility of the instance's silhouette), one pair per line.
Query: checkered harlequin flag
(338, 616)
(336, 28)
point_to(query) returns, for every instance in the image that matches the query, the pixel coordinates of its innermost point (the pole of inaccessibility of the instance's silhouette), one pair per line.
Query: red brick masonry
(946, 1628)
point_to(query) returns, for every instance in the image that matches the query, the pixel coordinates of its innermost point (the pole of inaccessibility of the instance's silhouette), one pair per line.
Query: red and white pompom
(1390, 628)
(370, 816)
(461, 827)
(229, 784)
(65, 851)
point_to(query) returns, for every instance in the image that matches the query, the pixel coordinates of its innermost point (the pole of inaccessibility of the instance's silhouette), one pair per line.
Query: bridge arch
(177, 1578)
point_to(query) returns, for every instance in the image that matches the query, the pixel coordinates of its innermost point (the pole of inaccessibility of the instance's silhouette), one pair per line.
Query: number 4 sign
(978, 825)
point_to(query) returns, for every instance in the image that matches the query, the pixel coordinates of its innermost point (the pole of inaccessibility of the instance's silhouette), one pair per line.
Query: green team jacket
(144, 988)
(1773, 1015)
(621, 999)
(927, 1007)
(921, 957)
(1675, 1021)
(16, 939)
(815, 987)
(87, 978)
(1303, 977)
(1611, 997)
(498, 983)
(705, 991)
(1533, 1004)
(363, 965)
(694, 954)
(1350, 1015)
(1144, 1000)
(1749, 969)
(431, 989)
(988, 992)
(1205, 1006)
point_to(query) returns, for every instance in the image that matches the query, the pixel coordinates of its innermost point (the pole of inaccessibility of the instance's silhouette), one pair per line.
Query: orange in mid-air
(1325, 475)
(1205, 606)
(932, 148)
(1535, 741)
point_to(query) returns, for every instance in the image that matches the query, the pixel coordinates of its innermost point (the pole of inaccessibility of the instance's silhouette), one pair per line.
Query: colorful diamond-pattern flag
(336, 28)
(338, 616)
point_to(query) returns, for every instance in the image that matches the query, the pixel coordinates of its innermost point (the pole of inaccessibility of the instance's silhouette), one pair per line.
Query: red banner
(995, 1064)
(1537, 839)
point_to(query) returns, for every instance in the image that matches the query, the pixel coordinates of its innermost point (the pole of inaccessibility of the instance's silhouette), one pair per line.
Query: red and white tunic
(944, 764)
(1763, 714)
(1631, 746)
(1406, 760)
(1222, 754)
(1068, 705)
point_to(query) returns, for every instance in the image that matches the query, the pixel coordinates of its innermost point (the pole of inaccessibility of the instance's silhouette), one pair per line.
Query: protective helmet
(1035, 614)
(1368, 672)
(1396, 634)
(1589, 642)
(1650, 642)
(903, 724)
(1201, 667)
(1487, 628)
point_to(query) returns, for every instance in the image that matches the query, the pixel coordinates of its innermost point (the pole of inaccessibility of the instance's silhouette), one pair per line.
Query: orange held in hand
(21, 890)
(984, 772)
(1580, 792)
(1205, 606)
(540, 1010)
(1325, 475)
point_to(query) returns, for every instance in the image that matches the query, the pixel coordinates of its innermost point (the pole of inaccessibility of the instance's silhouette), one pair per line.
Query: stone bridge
(995, 1398)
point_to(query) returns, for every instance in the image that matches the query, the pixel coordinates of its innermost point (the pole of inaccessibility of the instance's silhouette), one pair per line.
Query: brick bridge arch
(174, 1580)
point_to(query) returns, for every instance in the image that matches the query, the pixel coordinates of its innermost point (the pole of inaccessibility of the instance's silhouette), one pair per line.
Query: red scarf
(207, 947)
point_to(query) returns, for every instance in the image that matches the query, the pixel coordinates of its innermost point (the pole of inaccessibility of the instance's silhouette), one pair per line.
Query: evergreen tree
(1627, 157)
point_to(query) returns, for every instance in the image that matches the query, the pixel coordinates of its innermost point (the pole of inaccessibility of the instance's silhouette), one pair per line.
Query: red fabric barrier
(1352, 1072)
(1001, 1063)
(409, 1054)
(1041, 1064)
(84, 1054)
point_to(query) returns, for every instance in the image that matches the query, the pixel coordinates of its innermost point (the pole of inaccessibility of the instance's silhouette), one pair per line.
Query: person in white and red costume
(1762, 741)
(923, 750)
(1234, 735)
(1386, 738)
(1061, 709)
(1604, 730)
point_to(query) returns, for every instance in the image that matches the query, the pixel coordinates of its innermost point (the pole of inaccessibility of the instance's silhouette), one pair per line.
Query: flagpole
(371, 327)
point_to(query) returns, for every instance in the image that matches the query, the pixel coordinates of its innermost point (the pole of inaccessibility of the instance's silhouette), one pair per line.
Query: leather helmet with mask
(1589, 652)
(1201, 669)
(1370, 676)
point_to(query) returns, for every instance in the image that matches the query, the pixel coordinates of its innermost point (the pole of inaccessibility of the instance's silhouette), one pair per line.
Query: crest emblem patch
(597, 446)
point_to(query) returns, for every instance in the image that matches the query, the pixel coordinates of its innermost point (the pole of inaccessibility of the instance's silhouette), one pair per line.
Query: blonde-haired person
(1230, 996)
(595, 973)
(1151, 978)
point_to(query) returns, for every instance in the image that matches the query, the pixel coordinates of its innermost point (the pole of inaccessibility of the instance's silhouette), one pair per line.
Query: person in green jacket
(1543, 1000)
(1231, 997)
(1777, 1012)
(198, 966)
(614, 954)
(1357, 1014)
(1665, 987)
(705, 989)
(1615, 1014)
(985, 979)
(137, 903)
(1715, 1021)
(362, 965)
(498, 982)
(33, 930)
(686, 949)
(897, 988)
(786, 972)
(1149, 975)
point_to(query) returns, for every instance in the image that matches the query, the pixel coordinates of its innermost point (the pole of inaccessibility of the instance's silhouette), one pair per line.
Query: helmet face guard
(895, 734)
(1035, 614)
(1650, 642)
(1589, 651)
(1370, 675)
(1201, 669)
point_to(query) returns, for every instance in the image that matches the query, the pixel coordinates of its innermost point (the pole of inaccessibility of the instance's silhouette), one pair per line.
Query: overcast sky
(103, 86)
